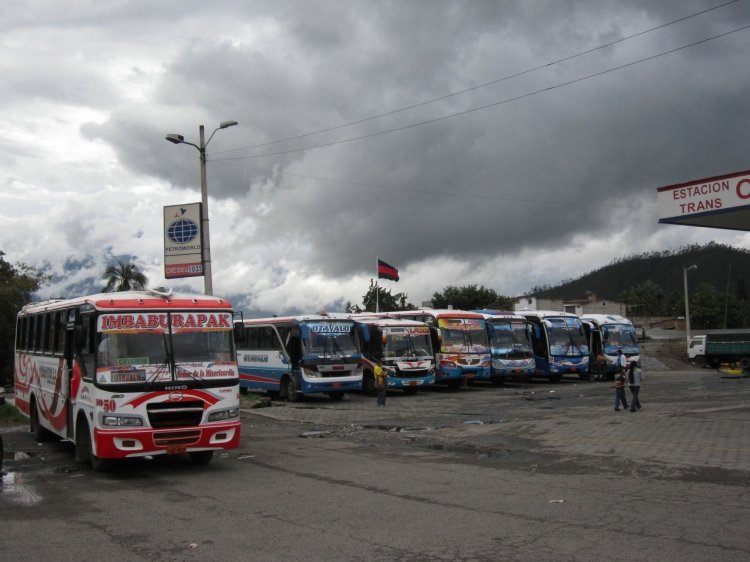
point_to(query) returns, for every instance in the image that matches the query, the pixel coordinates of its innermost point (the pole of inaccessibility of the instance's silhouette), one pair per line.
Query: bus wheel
(201, 457)
(368, 384)
(410, 390)
(336, 396)
(455, 383)
(40, 433)
(745, 363)
(85, 449)
(291, 389)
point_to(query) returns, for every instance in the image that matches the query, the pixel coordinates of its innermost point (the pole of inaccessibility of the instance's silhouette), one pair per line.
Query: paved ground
(519, 472)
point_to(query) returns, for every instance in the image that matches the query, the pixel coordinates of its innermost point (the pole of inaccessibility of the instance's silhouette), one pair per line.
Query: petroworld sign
(183, 246)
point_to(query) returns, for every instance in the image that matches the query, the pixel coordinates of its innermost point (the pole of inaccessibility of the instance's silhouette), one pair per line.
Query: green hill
(654, 281)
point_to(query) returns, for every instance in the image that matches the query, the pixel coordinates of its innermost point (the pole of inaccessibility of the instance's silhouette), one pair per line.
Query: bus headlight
(311, 373)
(223, 415)
(121, 421)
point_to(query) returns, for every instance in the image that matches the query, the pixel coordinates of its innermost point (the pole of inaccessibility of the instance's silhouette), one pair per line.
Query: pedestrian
(601, 360)
(635, 378)
(381, 382)
(621, 362)
(620, 392)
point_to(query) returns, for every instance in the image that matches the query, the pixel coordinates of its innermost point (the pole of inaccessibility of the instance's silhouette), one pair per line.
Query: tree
(17, 284)
(124, 277)
(382, 299)
(471, 297)
(645, 299)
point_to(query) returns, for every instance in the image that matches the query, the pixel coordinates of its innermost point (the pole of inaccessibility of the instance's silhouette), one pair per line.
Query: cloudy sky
(501, 143)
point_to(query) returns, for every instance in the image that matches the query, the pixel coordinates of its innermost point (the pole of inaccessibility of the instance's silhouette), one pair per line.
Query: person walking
(620, 392)
(635, 379)
(621, 362)
(601, 361)
(381, 382)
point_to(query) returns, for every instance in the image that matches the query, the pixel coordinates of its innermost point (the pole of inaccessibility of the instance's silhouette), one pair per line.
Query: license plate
(336, 385)
(469, 375)
(176, 449)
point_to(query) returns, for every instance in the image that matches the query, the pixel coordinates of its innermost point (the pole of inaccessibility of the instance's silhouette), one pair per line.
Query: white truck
(720, 347)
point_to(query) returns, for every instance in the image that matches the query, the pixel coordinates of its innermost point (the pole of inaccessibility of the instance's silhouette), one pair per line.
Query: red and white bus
(130, 374)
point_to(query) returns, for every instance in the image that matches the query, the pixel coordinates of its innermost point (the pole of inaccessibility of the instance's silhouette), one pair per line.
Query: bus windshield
(407, 342)
(332, 338)
(511, 339)
(566, 337)
(619, 336)
(136, 352)
(463, 335)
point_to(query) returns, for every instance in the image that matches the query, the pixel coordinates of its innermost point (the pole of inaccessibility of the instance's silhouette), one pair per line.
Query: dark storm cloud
(580, 159)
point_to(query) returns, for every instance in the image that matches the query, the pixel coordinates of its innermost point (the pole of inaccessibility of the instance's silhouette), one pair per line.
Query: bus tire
(290, 388)
(41, 434)
(368, 384)
(745, 363)
(85, 448)
(455, 384)
(201, 457)
(336, 396)
(410, 390)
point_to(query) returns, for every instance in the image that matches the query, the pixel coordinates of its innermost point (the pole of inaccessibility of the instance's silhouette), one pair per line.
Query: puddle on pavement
(17, 491)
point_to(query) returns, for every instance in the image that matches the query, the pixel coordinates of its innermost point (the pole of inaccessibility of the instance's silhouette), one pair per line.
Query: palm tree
(124, 277)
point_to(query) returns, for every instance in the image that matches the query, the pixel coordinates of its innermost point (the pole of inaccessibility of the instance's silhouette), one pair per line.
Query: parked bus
(611, 333)
(460, 343)
(293, 356)
(129, 374)
(510, 345)
(405, 349)
(559, 344)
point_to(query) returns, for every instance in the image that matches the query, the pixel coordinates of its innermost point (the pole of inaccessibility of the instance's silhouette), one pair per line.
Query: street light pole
(208, 285)
(687, 305)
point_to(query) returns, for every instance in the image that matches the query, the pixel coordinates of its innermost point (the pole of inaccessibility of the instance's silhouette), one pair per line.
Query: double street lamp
(687, 306)
(206, 239)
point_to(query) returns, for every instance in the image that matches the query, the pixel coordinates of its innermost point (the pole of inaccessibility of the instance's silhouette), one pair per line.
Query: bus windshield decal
(153, 321)
(330, 327)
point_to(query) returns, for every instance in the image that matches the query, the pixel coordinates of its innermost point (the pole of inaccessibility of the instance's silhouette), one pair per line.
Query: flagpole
(377, 293)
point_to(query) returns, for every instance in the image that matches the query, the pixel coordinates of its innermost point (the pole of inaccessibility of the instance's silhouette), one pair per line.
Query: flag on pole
(386, 271)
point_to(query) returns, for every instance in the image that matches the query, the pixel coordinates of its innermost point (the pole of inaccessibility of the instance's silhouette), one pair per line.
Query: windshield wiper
(163, 367)
(193, 376)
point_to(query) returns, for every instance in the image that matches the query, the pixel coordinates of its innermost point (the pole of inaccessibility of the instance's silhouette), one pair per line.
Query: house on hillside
(590, 304)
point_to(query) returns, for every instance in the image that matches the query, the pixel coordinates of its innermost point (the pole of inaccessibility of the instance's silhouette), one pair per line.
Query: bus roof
(131, 300)
(500, 315)
(605, 319)
(296, 319)
(436, 312)
(546, 313)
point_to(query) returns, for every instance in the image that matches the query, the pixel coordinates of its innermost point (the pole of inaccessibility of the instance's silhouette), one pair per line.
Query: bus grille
(167, 438)
(175, 414)
(413, 373)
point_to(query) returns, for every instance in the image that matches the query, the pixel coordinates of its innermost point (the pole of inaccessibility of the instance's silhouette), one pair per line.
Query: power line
(487, 106)
(432, 192)
(473, 88)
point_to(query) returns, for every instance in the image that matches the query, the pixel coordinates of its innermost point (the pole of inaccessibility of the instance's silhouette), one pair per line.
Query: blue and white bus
(460, 343)
(611, 333)
(510, 345)
(559, 343)
(405, 349)
(293, 356)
